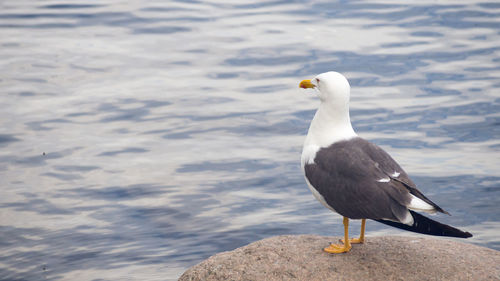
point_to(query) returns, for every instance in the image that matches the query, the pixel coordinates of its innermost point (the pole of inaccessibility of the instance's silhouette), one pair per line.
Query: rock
(301, 257)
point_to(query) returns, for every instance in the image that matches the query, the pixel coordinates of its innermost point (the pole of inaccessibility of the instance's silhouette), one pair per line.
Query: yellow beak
(306, 84)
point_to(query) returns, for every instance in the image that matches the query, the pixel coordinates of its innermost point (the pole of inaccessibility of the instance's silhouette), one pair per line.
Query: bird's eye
(317, 80)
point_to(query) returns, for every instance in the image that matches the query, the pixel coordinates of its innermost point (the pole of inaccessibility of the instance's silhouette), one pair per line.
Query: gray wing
(347, 175)
(389, 166)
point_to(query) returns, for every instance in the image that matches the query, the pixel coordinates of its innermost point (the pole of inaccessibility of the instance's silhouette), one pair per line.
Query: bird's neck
(330, 124)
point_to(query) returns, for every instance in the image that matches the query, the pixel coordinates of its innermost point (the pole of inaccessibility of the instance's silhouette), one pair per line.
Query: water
(137, 139)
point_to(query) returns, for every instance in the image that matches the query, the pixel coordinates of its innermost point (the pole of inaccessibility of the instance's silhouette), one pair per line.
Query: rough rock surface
(380, 258)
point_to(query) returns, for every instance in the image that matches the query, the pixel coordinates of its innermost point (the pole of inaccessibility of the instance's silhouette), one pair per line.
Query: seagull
(356, 178)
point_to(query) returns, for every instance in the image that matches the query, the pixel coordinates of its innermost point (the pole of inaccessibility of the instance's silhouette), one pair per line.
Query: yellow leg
(361, 238)
(341, 248)
(362, 233)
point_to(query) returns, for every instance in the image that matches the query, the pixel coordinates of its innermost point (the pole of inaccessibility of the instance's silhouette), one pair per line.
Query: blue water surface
(138, 139)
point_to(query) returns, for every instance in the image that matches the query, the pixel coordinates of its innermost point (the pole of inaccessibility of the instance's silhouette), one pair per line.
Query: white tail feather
(418, 204)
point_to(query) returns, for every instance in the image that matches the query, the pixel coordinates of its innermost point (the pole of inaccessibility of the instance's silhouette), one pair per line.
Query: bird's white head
(331, 123)
(332, 87)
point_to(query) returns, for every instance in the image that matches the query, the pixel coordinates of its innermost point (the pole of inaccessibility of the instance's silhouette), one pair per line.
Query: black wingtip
(427, 226)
